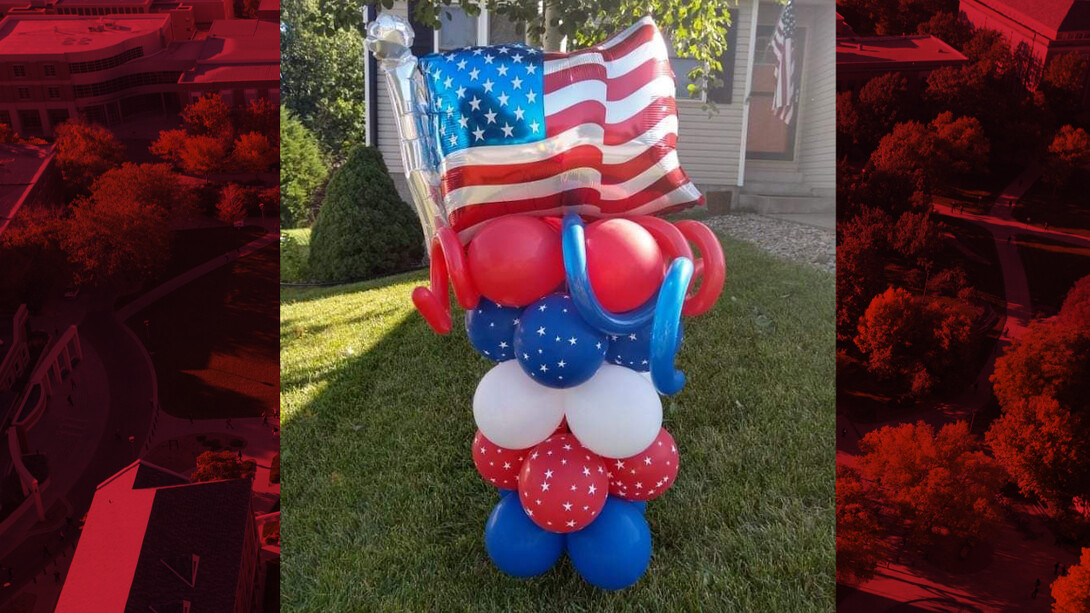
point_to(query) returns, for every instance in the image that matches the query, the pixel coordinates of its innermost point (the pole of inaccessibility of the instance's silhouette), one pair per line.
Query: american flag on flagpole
(522, 131)
(785, 100)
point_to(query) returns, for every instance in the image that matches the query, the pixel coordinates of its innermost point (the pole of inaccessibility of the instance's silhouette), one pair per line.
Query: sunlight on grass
(387, 511)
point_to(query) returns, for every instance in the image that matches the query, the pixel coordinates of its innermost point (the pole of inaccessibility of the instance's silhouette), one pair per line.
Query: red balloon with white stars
(497, 465)
(563, 486)
(646, 475)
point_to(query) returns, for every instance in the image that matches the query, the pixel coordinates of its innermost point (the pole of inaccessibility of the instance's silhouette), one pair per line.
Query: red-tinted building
(861, 58)
(1038, 30)
(116, 67)
(203, 12)
(28, 176)
(153, 541)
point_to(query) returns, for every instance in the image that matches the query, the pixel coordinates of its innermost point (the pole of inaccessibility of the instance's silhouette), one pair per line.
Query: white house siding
(816, 142)
(709, 143)
(707, 146)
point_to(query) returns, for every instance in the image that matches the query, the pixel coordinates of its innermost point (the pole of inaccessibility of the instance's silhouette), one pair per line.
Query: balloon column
(545, 231)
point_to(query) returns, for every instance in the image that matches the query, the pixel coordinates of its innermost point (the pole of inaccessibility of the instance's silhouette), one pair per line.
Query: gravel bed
(788, 240)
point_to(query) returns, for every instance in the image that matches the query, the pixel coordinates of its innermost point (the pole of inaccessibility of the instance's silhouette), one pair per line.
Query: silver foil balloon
(390, 40)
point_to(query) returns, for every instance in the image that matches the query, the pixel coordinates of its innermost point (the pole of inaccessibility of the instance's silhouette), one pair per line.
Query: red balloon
(563, 427)
(516, 260)
(624, 263)
(497, 465)
(648, 474)
(562, 486)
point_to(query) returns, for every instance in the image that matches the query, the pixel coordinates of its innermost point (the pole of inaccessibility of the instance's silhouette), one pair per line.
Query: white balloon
(514, 411)
(616, 414)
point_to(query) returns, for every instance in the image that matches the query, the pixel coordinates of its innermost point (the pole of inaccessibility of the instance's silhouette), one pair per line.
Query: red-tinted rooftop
(895, 52)
(53, 34)
(238, 51)
(1047, 16)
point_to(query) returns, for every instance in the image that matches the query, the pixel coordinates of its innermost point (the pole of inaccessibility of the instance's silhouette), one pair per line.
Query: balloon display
(624, 262)
(562, 485)
(516, 260)
(613, 552)
(516, 545)
(497, 465)
(648, 474)
(491, 329)
(555, 346)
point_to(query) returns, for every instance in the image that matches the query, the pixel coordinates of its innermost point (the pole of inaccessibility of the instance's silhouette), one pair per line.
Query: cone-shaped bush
(363, 229)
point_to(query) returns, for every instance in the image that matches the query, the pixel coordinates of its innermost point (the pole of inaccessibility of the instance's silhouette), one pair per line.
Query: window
(24, 93)
(502, 30)
(54, 92)
(768, 137)
(19, 70)
(57, 116)
(5, 118)
(110, 62)
(125, 82)
(31, 119)
(50, 70)
(457, 30)
(721, 94)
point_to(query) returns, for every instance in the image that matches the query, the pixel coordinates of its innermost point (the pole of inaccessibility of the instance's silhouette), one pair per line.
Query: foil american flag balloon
(522, 131)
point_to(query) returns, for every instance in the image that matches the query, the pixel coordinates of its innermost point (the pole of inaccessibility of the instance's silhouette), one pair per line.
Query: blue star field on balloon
(482, 96)
(491, 329)
(555, 346)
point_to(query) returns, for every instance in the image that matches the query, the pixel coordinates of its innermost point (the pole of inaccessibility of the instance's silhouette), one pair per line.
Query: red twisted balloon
(711, 268)
(448, 261)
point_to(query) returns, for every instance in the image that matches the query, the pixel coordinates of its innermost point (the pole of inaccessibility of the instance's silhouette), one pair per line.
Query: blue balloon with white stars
(491, 329)
(555, 346)
(633, 350)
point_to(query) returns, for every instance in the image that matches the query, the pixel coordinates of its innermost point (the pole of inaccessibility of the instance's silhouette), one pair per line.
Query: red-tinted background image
(963, 316)
(139, 377)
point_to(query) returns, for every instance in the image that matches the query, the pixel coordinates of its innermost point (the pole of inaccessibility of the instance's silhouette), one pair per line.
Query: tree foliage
(858, 534)
(860, 270)
(232, 205)
(920, 343)
(118, 242)
(34, 265)
(937, 482)
(84, 152)
(1069, 152)
(219, 465)
(363, 229)
(1064, 82)
(302, 170)
(254, 153)
(892, 17)
(1071, 592)
(210, 116)
(152, 184)
(948, 27)
(933, 152)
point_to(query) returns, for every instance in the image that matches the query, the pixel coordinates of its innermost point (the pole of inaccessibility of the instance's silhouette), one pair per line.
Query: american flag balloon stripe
(593, 131)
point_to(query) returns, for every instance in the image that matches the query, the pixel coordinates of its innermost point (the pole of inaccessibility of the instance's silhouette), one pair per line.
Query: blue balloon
(504, 492)
(573, 243)
(516, 545)
(555, 346)
(633, 350)
(666, 327)
(641, 505)
(491, 329)
(614, 551)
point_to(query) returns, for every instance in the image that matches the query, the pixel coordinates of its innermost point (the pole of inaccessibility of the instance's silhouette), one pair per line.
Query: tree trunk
(550, 41)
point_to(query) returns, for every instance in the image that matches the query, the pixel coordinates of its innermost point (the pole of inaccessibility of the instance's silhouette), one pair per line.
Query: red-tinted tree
(860, 270)
(859, 545)
(1048, 360)
(202, 155)
(1075, 310)
(209, 116)
(1045, 447)
(232, 205)
(85, 151)
(937, 482)
(1071, 592)
(262, 117)
(169, 145)
(119, 242)
(1063, 83)
(948, 27)
(932, 153)
(883, 17)
(152, 184)
(963, 148)
(920, 343)
(1069, 151)
(219, 465)
(33, 263)
(915, 236)
(254, 153)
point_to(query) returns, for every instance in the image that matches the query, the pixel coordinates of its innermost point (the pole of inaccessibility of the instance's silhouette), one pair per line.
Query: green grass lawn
(293, 262)
(387, 511)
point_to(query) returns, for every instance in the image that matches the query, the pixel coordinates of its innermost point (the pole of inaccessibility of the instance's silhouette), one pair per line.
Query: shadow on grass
(387, 511)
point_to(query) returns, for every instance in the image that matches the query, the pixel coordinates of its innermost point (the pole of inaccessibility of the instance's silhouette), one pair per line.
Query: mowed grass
(385, 511)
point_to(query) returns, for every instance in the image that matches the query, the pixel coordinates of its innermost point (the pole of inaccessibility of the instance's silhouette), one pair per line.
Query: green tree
(302, 170)
(363, 229)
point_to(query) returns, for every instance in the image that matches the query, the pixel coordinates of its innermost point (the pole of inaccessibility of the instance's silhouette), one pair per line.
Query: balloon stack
(570, 284)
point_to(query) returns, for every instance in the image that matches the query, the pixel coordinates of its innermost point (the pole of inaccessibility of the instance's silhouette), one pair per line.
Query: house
(111, 69)
(153, 541)
(28, 176)
(741, 155)
(1038, 31)
(861, 58)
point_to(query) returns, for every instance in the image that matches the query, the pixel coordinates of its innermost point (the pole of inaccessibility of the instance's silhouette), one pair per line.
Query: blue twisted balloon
(575, 266)
(665, 338)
